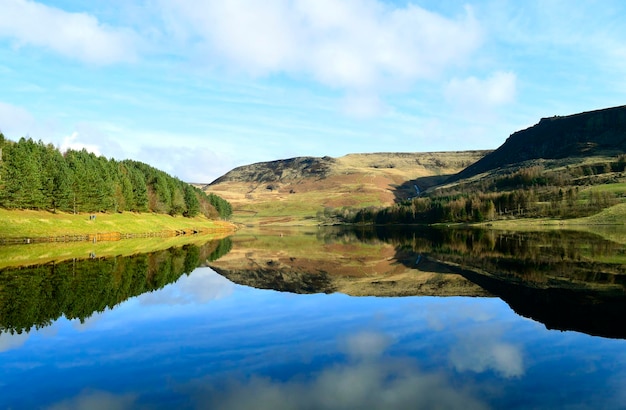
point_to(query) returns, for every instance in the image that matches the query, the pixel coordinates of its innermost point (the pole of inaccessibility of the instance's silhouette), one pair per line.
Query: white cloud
(362, 106)
(189, 162)
(353, 44)
(473, 93)
(72, 142)
(75, 35)
(15, 121)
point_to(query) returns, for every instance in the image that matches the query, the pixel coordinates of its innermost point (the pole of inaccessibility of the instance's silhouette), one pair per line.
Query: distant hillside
(296, 188)
(568, 167)
(593, 133)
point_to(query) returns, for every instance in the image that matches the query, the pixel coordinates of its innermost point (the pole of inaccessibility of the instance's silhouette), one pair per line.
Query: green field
(42, 224)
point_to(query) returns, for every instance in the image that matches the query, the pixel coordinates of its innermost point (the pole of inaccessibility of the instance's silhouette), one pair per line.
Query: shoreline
(110, 236)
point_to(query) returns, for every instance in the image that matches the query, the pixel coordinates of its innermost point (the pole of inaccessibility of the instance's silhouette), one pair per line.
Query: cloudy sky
(197, 87)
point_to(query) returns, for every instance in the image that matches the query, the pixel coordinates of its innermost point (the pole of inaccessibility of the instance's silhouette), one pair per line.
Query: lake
(324, 319)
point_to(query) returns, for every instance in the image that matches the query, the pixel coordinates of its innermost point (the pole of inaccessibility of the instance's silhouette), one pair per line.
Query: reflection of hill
(38, 295)
(566, 280)
(336, 263)
(598, 312)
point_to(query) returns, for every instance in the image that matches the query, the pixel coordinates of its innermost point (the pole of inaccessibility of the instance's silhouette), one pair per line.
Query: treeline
(480, 207)
(35, 296)
(34, 175)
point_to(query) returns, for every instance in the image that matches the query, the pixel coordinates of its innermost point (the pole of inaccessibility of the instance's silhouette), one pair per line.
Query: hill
(569, 167)
(563, 167)
(298, 189)
(588, 134)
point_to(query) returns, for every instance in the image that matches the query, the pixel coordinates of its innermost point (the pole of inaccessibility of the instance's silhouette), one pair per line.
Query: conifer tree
(21, 176)
(191, 201)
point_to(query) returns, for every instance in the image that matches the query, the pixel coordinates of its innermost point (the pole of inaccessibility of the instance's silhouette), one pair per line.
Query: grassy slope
(31, 224)
(610, 224)
(356, 180)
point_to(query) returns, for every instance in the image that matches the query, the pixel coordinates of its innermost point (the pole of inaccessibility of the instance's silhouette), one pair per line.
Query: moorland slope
(296, 189)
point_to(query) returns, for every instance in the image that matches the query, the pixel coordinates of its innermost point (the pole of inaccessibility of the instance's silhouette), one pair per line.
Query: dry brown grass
(354, 180)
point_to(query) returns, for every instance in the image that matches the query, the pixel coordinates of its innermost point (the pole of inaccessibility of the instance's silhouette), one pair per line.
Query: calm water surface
(203, 341)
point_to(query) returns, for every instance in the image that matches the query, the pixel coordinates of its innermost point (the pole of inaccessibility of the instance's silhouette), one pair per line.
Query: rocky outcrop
(600, 132)
(284, 170)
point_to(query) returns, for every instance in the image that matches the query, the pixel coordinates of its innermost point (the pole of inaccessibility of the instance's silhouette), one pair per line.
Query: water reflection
(366, 378)
(564, 279)
(482, 350)
(35, 296)
(238, 347)
(200, 341)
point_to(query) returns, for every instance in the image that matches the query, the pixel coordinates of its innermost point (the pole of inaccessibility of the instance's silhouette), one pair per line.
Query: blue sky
(197, 87)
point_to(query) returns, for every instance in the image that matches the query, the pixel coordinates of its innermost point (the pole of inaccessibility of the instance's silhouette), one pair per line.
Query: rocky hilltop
(284, 170)
(299, 168)
(592, 133)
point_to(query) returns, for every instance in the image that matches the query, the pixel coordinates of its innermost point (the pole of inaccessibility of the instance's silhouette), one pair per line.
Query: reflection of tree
(223, 247)
(566, 280)
(529, 256)
(38, 295)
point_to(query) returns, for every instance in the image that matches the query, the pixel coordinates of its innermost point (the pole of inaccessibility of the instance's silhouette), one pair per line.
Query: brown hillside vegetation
(300, 262)
(295, 190)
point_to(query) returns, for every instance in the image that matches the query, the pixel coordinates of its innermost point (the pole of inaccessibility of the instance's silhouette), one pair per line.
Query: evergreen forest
(34, 175)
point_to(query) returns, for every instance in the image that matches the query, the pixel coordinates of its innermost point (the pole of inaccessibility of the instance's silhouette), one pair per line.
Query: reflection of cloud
(87, 323)
(378, 382)
(10, 341)
(448, 315)
(480, 352)
(366, 385)
(96, 400)
(201, 286)
(366, 344)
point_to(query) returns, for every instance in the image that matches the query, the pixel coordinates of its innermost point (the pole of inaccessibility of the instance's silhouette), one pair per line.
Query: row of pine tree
(34, 175)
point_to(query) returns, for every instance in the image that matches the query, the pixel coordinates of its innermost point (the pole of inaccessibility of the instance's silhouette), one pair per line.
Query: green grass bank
(42, 225)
